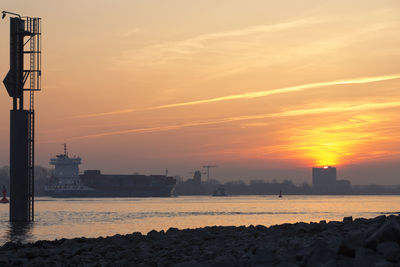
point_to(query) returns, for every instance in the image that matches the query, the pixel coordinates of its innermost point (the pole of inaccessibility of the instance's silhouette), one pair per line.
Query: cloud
(250, 95)
(188, 45)
(167, 51)
(289, 113)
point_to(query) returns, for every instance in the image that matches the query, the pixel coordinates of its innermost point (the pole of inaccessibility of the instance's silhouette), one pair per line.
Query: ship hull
(92, 183)
(156, 192)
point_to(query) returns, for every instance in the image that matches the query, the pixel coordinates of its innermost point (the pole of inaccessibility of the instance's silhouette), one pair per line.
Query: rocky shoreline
(359, 242)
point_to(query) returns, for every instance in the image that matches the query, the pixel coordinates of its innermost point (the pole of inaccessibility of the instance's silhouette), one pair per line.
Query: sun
(325, 157)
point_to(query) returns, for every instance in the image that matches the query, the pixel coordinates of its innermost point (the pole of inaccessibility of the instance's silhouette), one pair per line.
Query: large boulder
(388, 231)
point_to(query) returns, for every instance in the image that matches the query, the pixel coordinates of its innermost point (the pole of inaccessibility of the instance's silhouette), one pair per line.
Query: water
(68, 218)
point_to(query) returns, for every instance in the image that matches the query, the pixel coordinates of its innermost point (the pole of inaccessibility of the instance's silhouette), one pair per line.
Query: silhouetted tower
(208, 170)
(24, 75)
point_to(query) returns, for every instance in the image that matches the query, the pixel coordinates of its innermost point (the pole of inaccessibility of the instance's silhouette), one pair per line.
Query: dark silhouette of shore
(259, 187)
(253, 187)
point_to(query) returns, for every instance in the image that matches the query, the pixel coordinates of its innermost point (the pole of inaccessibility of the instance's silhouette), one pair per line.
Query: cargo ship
(67, 182)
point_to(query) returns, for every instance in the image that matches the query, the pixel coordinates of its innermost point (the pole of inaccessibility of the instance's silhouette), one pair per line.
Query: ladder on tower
(32, 26)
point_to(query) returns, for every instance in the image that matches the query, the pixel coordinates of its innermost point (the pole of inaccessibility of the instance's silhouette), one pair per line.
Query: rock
(379, 219)
(383, 263)
(318, 227)
(388, 231)
(392, 254)
(349, 243)
(365, 257)
(355, 238)
(136, 235)
(172, 230)
(264, 255)
(382, 247)
(153, 234)
(344, 261)
(346, 250)
(320, 255)
(10, 245)
(190, 264)
(334, 242)
(287, 264)
(261, 228)
(348, 219)
(19, 262)
(223, 261)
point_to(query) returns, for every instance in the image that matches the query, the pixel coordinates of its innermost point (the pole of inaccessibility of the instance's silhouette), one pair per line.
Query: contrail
(290, 113)
(251, 95)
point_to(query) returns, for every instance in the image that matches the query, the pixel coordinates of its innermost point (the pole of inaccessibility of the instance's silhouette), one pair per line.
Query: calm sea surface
(68, 218)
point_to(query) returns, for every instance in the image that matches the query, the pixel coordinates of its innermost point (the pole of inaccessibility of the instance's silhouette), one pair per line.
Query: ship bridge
(66, 168)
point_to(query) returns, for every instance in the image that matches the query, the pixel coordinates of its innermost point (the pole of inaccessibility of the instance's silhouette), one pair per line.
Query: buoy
(4, 199)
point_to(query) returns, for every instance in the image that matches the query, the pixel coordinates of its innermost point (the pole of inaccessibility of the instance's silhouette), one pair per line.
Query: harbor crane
(208, 170)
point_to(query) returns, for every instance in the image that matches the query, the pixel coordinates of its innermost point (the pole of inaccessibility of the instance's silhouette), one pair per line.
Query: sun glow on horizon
(337, 143)
(325, 154)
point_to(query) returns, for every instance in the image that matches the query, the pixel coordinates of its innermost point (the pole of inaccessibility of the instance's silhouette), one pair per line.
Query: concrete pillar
(19, 178)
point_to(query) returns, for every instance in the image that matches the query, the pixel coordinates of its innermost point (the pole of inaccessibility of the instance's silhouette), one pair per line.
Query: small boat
(4, 199)
(219, 192)
(280, 193)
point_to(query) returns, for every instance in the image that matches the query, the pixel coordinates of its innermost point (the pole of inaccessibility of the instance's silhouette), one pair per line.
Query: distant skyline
(263, 89)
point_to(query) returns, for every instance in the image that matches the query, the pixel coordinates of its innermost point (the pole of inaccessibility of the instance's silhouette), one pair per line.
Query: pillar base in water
(19, 172)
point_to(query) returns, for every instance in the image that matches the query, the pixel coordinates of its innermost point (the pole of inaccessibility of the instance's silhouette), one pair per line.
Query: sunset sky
(263, 89)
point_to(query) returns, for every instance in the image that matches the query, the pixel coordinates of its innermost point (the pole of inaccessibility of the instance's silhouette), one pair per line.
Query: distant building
(197, 178)
(323, 177)
(324, 181)
(192, 186)
(343, 186)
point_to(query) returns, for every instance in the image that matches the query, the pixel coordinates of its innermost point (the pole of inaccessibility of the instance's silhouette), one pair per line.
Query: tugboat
(4, 199)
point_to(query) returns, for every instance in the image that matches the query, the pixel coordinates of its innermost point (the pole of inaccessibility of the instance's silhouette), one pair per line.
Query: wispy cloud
(166, 52)
(289, 113)
(250, 95)
(188, 45)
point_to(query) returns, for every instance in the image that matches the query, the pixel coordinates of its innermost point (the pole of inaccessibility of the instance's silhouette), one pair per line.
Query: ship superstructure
(66, 170)
(65, 179)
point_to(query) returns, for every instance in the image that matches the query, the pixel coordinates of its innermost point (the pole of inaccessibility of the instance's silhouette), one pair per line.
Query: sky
(263, 89)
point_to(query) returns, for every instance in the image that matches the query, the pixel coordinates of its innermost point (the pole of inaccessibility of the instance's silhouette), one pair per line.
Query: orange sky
(263, 89)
